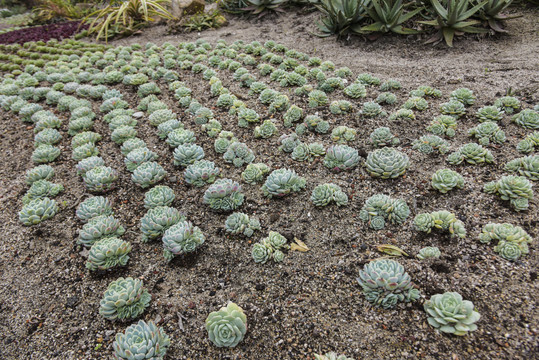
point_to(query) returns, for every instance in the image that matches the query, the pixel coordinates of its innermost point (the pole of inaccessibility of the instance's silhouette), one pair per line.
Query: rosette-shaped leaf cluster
(270, 247)
(139, 156)
(507, 104)
(224, 195)
(324, 194)
(247, 116)
(472, 153)
(85, 151)
(88, 164)
(123, 133)
(426, 91)
(180, 136)
(529, 143)
(254, 173)
(343, 134)
(380, 208)
(292, 115)
(317, 98)
(94, 206)
(45, 154)
(453, 108)
(157, 220)
(240, 223)
(387, 163)
(382, 136)
(227, 327)
(212, 128)
(41, 172)
(107, 253)
(282, 182)
(368, 79)
(340, 107)
(141, 341)
(489, 113)
(100, 178)
(201, 173)
(316, 124)
(125, 298)
(488, 132)
(238, 154)
(42, 189)
(37, 211)
(443, 220)
(187, 154)
(165, 128)
(331, 356)
(512, 241)
(148, 173)
(517, 189)
(159, 195)
(443, 125)
(341, 157)
(355, 91)
(224, 140)
(266, 130)
(429, 252)
(403, 114)
(386, 98)
(385, 283)
(445, 180)
(98, 228)
(464, 96)
(450, 314)
(416, 103)
(181, 238)
(372, 109)
(305, 152)
(47, 137)
(288, 142)
(427, 144)
(528, 119)
(526, 166)
(84, 138)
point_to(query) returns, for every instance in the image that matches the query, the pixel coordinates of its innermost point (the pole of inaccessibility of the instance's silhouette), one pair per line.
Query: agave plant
(340, 16)
(388, 15)
(453, 18)
(264, 7)
(491, 13)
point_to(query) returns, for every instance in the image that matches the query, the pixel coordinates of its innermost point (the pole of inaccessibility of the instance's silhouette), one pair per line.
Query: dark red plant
(43, 33)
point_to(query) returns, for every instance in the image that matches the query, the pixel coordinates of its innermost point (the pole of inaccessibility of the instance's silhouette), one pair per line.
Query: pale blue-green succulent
(429, 252)
(240, 223)
(270, 247)
(340, 107)
(93, 207)
(529, 143)
(443, 125)
(181, 238)
(148, 173)
(517, 189)
(45, 154)
(450, 314)
(137, 157)
(402, 114)
(324, 194)
(132, 144)
(282, 182)
(331, 356)
(427, 144)
(386, 98)
(288, 142)
(372, 109)
(159, 195)
(488, 132)
(445, 180)
(254, 173)
(507, 104)
(165, 128)
(453, 108)
(472, 153)
(107, 253)
(506, 234)
(380, 208)
(123, 133)
(42, 189)
(317, 98)
(100, 178)
(292, 115)
(180, 136)
(367, 79)
(37, 211)
(157, 220)
(526, 166)
(84, 138)
(464, 96)
(122, 120)
(416, 103)
(224, 195)
(41, 172)
(341, 158)
(238, 154)
(489, 113)
(527, 118)
(443, 220)
(88, 164)
(316, 124)
(212, 128)
(125, 298)
(227, 327)
(201, 173)
(85, 151)
(426, 91)
(383, 136)
(141, 341)
(98, 228)
(47, 137)
(387, 163)
(343, 134)
(187, 154)
(266, 130)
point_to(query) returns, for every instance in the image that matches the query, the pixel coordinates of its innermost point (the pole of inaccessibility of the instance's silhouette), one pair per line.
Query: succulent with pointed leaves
(85, 151)
(324, 194)
(100, 178)
(489, 113)
(201, 172)
(137, 157)
(281, 103)
(472, 153)
(157, 220)
(368, 79)
(187, 154)
(254, 173)
(240, 223)
(316, 124)
(289, 142)
(122, 120)
(93, 207)
(528, 119)
(341, 158)
(84, 138)
(529, 143)
(266, 130)
(386, 98)
(238, 154)
(453, 108)
(41, 172)
(212, 128)
(48, 122)
(99, 227)
(282, 182)
(148, 173)
(125, 298)
(488, 132)
(517, 189)
(180, 136)
(427, 144)
(45, 154)
(343, 134)
(429, 252)
(443, 220)
(385, 283)
(270, 247)
(227, 327)
(331, 84)
(317, 98)
(450, 314)
(526, 166)
(416, 103)
(141, 341)
(159, 195)
(292, 115)
(512, 240)
(402, 114)
(387, 163)
(426, 91)
(224, 140)
(340, 107)
(379, 208)
(372, 109)
(224, 195)
(47, 137)
(445, 180)
(37, 211)
(355, 91)
(42, 189)
(331, 356)
(107, 253)
(443, 125)
(181, 238)
(382, 136)
(507, 104)
(464, 96)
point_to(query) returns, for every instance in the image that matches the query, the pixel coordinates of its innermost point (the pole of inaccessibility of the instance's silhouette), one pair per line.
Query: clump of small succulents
(270, 247)
(355, 91)
(416, 103)
(201, 172)
(488, 132)
(528, 144)
(180, 136)
(143, 340)
(240, 223)
(100, 178)
(282, 182)
(187, 154)
(224, 195)
(526, 166)
(289, 142)
(157, 220)
(227, 327)
(340, 107)
(368, 79)
(181, 238)
(137, 157)
(292, 115)
(380, 208)
(429, 252)
(125, 298)
(386, 98)
(427, 144)
(324, 194)
(517, 189)
(383, 136)
(512, 241)
(443, 220)
(148, 173)
(489, 113)
(445, 180)
(247, 116)
(464, 96)
(313, 123)
(507, 104)
(450, 314)
(453, 108)
(331, 356)
(372, 109)
(387, 163)
(317, 98)
(99, 227)
(93, 207)
(443, 125)
(472, 153)
(254, 173)
(42, 189)
(341, 158)
(238, 154)
(266, 130)
(223, 141)
(385, 283)
(159, 195)
(107, 253)
(45, 153)
(527, 118)
(402, 114)
(37, 211)
(343, 134)
(41, 172)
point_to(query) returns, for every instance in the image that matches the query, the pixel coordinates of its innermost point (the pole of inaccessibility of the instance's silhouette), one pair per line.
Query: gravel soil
(311, 302)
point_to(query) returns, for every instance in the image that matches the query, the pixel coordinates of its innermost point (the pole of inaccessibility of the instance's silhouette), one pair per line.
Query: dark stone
(72, 301)
(260, 287)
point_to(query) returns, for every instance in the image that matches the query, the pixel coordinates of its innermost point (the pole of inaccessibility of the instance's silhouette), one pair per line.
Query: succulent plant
(42, 189)
(429, 252)
(464, 96)
(427, 144)
(266, 130)
(99, 227)
(282, 182)
(125, 298)
(340, 107)
(122, 120)
(212, 128)
(41, 172)
(181, 238)
(453, 108)
(472, 153)
(385, 283)
(316, 124)
(165, 128)
(426, 91)
(107, 253)
(179, 137)
(88, 164)
(49, 122)
(112, 104)
(132, 144)
(159, 195)
(331, 356)
(45, 154)
(387, 163)
(368, 79)
(517, 189)
(450, 314)
(382, 136)
(224, 195)
(281, 103)
(507, 104)
(416, 103)
(380, 208)
(372, 109)
(37, 211)
(323, 194)
(386, 98)
(137, 157)
(343, 134)
(292, 115)
(443, 125)
(187, 154)
(238, 154)
(317, 98)
(488, 132)
(224, 140)
(270, 247)
(227, 327)
(157, 220)
(93, 207)
(526, 166)
(527, 118)
(84, 151)
(240, 223)
(201, 172)
(267, 96)
(506, 234)
(84, 138)
(489, 113)
(402, 114)
(47, 137)
(148, 173)
(254, 173)
(445, 180)
(443, 219)
(100, 178)
(529, 143)
(122, 134)
(341, 158)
